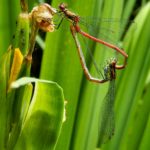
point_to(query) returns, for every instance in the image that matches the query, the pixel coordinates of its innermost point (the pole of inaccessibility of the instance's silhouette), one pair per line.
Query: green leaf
(8, 13)
(44, 119)
(21, 39)
(21, 104)
(4, 75)
(145, 144)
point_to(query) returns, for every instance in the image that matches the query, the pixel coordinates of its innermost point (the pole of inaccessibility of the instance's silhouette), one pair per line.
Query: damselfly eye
(113, 63)
(62, 6)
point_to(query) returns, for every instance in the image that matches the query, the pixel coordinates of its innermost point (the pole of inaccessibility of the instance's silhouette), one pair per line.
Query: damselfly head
(110, 70)
(63, 6)
(113, 62)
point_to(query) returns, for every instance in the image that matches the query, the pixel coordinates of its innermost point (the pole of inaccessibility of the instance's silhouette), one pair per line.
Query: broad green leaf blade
(138, 119)
(21, 39)
(128, 8)
(4, 75)
(4, 26)
(20, 108)
(145, 144)
(44, 119)
(8, 13)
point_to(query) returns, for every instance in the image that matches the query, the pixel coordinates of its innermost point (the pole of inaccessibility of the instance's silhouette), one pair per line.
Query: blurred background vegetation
(55, 58)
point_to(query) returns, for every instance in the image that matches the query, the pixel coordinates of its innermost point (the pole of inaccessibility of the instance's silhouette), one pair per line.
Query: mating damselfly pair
(47, 23)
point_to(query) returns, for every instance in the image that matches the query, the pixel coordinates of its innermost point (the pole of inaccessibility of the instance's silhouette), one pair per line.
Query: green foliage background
(60, 63)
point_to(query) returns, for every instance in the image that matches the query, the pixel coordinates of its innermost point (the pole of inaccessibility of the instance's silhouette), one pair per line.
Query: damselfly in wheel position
(75, 28)
(107, 123)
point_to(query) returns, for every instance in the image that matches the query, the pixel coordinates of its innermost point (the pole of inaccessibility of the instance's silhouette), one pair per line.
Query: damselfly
(75, 28)
(107, 122)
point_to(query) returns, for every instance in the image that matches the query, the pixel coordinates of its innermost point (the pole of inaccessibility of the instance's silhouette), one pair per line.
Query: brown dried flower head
(43, 16)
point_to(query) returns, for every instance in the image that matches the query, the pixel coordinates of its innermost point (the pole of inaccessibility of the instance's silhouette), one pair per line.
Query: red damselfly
(75, 28)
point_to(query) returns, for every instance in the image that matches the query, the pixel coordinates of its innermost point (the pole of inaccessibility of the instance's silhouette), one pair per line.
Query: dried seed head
(43, 16)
